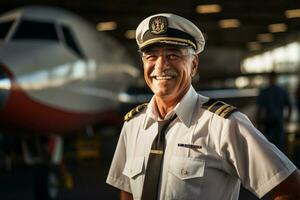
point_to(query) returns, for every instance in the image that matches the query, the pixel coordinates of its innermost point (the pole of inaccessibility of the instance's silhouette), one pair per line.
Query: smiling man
(182, 145)
(168, 71)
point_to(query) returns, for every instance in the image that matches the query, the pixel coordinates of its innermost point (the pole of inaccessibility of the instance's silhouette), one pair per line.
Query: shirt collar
(184, 109)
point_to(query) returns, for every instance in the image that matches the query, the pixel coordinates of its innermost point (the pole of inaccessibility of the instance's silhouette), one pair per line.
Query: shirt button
(184, 172)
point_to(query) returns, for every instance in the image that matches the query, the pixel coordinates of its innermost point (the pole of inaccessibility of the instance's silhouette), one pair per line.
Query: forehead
(174, 48)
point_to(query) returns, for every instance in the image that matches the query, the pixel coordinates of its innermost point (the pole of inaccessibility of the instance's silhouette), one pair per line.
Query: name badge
(190, 146)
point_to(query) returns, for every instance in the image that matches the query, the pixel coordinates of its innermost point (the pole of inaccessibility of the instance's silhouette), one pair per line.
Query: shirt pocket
(134, 169)
(185, 177)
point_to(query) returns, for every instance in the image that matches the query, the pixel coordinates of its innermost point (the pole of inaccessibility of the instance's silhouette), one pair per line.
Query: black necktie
(152, 176)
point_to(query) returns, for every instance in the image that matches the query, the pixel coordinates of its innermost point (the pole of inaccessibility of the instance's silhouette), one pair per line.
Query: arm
(261, 166)
(287, 107)
(126, 195)
(115, 176)
(289, 189)
(288, 112)
(260, 113)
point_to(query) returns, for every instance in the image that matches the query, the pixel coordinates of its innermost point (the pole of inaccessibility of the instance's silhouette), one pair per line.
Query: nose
(5, 85)
(161, 62)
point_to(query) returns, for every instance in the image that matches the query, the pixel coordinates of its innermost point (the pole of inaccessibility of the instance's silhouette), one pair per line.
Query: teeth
(163, 77)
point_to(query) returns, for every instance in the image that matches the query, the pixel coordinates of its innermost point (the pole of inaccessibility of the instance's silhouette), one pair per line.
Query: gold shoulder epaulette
(134, 111)
(219, 107)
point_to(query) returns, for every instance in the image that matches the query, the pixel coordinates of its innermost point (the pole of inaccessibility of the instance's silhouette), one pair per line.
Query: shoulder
(132, 113)
(263, 91)
(219, 107)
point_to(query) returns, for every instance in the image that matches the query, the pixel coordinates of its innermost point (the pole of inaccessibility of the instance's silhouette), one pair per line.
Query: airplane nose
(5, 85)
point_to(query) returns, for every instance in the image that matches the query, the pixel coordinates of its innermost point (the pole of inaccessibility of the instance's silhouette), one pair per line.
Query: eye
(173, 56)
(150, 57)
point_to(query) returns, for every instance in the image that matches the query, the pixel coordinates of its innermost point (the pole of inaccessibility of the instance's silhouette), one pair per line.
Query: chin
(164, 94)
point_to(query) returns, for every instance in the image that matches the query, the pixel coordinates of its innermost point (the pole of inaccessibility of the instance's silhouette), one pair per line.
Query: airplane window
(70, 40)
(4, 28)
(36, 30)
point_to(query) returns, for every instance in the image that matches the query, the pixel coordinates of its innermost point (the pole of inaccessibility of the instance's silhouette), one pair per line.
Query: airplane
(58, 76)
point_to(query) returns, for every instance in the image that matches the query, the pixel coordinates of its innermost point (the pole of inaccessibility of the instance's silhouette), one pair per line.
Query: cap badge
(158, 25)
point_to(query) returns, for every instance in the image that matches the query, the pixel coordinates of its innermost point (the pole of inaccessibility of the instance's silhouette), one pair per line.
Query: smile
(162, 77)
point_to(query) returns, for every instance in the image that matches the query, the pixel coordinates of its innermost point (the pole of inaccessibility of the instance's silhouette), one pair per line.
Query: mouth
(162, 77)
(165, 75)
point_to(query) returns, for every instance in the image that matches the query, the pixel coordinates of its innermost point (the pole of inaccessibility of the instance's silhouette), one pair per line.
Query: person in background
(184, 146)
(297, 96)
(274, 110)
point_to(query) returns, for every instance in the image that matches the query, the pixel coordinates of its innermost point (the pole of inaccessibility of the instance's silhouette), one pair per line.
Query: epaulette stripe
(221, 109)
(207, 104)
(140, 107)
(134, 111)
(212, 105)
(226, 113)
(216, 106)
(127, 116)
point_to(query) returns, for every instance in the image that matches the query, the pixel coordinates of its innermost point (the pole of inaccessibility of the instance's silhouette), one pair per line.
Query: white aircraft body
(58, 75)
(58, 72)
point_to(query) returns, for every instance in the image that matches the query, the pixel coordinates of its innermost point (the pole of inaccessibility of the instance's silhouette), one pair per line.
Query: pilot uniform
(209, 151)
(210, 147)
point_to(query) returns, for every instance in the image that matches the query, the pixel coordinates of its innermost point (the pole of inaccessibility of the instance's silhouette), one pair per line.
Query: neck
(164, 107)
(166, 104)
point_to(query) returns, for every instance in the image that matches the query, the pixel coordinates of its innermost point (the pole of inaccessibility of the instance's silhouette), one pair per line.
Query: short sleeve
(258, 164)
(115, 175)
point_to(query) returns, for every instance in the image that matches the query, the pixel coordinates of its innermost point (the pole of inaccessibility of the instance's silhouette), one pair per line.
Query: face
(168, 71)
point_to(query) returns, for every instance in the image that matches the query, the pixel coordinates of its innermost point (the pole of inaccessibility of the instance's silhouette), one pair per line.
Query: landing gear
(46, 182)
(45, 155)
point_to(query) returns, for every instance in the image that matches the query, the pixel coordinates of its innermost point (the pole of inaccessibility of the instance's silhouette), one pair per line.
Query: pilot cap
(167, 28)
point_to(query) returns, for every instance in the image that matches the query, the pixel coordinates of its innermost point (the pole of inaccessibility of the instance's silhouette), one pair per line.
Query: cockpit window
(71, 41)
(36, 30)
(4, 28)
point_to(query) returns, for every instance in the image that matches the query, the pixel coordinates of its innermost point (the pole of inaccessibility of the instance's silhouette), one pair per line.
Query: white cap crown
(169, 29)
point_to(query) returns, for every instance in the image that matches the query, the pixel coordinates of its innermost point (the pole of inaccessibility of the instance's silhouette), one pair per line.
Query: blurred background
(70, 70)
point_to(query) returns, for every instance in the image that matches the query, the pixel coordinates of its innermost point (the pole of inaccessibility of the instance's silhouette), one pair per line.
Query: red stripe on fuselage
(22, 113)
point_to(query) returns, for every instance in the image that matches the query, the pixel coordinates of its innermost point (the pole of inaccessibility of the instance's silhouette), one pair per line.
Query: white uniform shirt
(228, 152)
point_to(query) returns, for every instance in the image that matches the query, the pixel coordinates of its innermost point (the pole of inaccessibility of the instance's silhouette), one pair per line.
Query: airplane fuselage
(62, 83)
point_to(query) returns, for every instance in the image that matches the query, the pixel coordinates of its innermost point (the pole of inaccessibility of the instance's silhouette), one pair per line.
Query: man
(182, 145)
(297, 97)
(274, 109)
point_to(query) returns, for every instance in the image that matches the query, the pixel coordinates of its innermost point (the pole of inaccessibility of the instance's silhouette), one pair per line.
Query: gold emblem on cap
(158, 25)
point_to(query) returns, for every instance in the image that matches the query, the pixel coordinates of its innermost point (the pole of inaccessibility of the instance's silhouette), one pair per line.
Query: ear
(195, 63)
